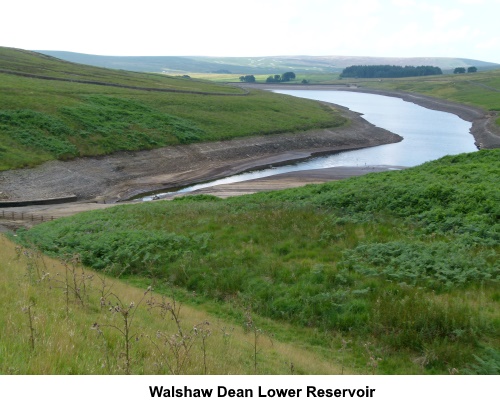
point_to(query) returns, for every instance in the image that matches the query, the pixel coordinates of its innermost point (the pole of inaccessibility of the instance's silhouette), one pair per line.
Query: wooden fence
(26, 216)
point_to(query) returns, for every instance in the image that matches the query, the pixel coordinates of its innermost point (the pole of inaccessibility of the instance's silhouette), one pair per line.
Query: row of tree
(369, 71)
(285, 77)
(247, 79)
(386, 71)
(471, 69)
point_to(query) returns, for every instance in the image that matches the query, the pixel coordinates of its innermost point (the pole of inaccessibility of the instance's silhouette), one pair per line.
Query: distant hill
(257, 65)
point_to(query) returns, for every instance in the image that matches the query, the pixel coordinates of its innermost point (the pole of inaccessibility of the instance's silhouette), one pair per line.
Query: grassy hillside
(402, 265)
(43, 119)
(480, 89)
(54, 320)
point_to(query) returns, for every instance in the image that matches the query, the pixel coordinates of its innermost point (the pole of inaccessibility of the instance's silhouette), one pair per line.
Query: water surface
(427, 135)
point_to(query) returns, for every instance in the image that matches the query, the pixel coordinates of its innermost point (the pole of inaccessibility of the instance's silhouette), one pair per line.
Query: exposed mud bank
(125, 174)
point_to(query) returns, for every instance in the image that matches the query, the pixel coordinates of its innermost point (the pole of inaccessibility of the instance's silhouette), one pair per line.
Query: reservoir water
(428, 135)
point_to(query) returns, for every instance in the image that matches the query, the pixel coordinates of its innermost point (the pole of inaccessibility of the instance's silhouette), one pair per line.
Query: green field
(259, 65)
(44, 119)
(480, 89)
(312, 78)
(404, 262)
(51, 309)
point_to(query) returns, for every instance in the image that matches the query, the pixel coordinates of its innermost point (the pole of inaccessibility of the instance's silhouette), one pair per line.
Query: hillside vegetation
(46, 114)
(402, 266)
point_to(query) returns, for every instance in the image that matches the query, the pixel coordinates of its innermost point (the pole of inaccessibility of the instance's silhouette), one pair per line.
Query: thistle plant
(127, 313)
(177, 345)
(29, 312)
(250, 327)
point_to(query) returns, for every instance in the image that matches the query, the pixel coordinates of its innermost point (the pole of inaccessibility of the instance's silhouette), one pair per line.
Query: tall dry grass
(58, 317)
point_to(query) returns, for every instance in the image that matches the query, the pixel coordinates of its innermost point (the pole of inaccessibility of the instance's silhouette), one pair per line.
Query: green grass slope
(404, 265)
(58, 317)
(52, 109)
(480, 89)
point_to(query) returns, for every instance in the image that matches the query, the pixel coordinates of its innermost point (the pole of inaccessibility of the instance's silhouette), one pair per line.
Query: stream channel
(428, 135)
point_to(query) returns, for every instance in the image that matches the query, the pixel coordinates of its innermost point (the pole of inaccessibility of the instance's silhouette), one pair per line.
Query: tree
(247, 79)
(273, 79)
(459, 70)
(472, 69)
(286, 77)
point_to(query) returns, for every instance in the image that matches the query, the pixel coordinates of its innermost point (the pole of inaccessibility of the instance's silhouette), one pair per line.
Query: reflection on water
(428, 135)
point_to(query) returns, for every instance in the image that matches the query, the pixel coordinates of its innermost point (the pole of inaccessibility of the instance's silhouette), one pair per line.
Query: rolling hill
(54, 109)
(257, 65)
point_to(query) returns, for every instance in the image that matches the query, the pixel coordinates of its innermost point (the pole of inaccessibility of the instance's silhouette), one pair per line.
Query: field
(266, 65)
(313, 78)
(400, 269)
(481, 89)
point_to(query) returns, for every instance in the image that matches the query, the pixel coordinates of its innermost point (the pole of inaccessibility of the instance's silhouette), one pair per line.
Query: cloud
(492, 43)
(471, 2)
(404, 3)
(257, 28)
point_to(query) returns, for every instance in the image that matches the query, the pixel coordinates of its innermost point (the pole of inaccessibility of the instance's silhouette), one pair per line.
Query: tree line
(471, 69)
(285, 77)
(388, 71)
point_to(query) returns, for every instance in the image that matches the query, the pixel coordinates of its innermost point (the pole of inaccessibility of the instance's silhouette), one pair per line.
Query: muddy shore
(122, 175)
(12, 218)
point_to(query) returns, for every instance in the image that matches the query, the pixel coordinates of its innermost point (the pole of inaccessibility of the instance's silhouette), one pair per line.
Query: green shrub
(489, 363)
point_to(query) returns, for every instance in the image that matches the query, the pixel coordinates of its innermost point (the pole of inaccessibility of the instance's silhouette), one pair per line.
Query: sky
(393, 28)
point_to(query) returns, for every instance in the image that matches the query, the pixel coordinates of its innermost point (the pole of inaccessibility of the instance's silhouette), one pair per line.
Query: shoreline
(100, 182)
(122, 175)
(484, 130)
(12, 218)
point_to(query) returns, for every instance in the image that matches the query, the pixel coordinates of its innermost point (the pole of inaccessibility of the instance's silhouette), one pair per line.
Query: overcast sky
(398, 28)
